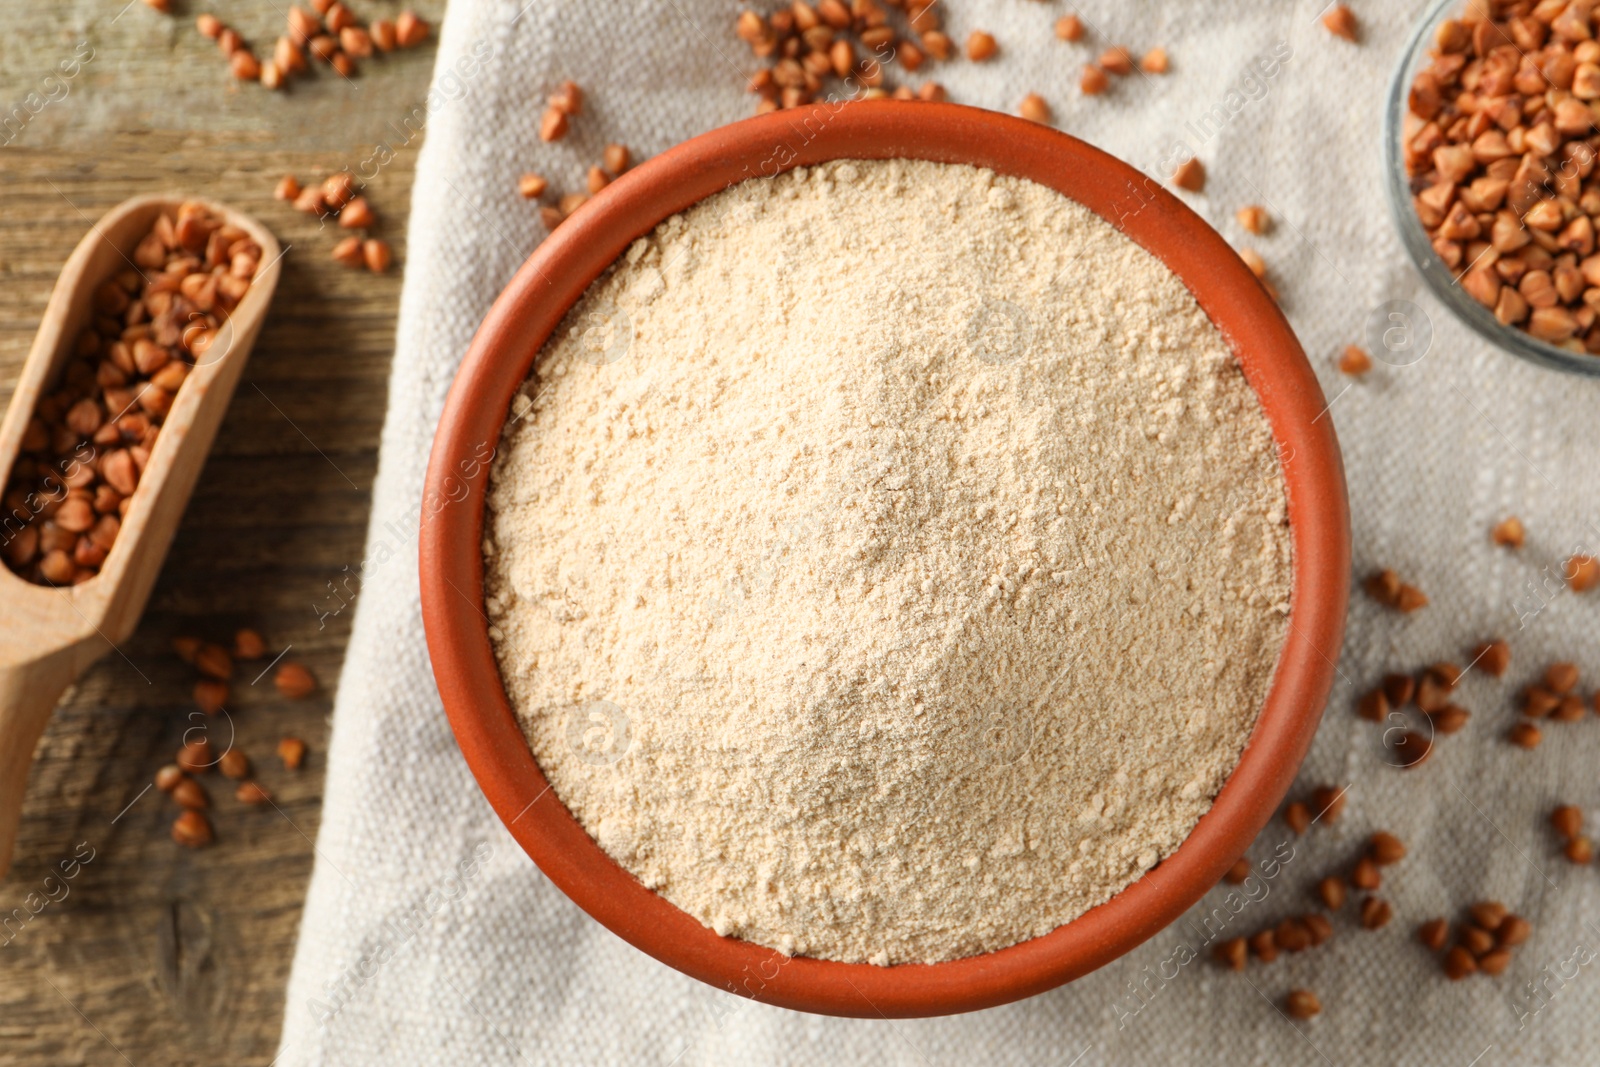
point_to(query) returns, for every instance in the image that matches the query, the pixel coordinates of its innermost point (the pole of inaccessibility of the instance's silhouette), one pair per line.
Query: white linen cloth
(430, 938)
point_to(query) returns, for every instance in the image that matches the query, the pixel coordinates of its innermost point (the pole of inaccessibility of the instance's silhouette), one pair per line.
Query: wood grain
(154, 954)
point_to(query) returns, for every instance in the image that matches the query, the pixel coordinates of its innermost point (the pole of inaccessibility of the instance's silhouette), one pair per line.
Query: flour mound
(888, 561)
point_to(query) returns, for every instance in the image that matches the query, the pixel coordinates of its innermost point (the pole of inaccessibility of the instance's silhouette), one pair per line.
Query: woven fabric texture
(430, 938)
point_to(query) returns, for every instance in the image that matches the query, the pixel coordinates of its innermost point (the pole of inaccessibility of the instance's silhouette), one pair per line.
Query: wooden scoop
(48, 636)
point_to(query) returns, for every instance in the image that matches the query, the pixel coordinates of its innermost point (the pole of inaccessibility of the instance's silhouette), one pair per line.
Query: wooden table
(153, 954)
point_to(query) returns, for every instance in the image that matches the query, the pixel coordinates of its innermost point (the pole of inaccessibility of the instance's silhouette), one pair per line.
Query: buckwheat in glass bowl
(1568, 178)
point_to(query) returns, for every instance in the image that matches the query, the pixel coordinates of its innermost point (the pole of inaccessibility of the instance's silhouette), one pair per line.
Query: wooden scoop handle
(28, 694)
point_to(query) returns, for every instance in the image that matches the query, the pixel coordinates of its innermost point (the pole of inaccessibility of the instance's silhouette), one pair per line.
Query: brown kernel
(194, 756)
(1399, 688)
(294, 681)
(553, 126)
(1475, 939)
(877, 38)
(302, 25)
(1582, 573)
(213, 661)
(532, 186)
(1570, 709)
(1579, 850)
(1525, 735)
(1567, 820)
(1253, 217)
(168, 777)
(1384, 587)
(348, 252)
(617, 158)
(749, 27)
(1034, 109)
(248, 644)
(1301, 1004)
(1093, 81)
(1537, 702)
(1512, 931)
(357, 214)
(1069, 28)
(1386, 849)
(980, 46)
(1116, 60)
(1364, 875)
(1331, 891)
(1410, 599)
(1341, 22)
(1446, 674)
(1492, 658)
(1190, 175)
(292, 751)
(338, 189)
(1508, 533)
(252, 793)
(1495, 962)
(1450, 719)
(334, 12)
(311, 201)
(568, 98)
(1375, 913)
(938, 45)
(1155, 61)
(1238, 872)
(355, 41)
(1231, 954)
(1264, 946)
(234, 764)
(1298, 816)
(1327, 802)
(210, 695)
(1459, 964)
(1374, 706)
(192, 829)
(1354, 361)
(376, 255)
(1318, 926)
(1433, 933)
(191, 794)
(244, 65)
(1291, 935)
(409, 30)
(597, 179)
(1561, 678)
(1412, 749)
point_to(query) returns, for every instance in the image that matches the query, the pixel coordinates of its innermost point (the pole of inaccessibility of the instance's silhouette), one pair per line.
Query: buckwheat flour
(889, 561)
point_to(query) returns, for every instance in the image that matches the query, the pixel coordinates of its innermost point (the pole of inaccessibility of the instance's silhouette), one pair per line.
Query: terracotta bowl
(556, 274)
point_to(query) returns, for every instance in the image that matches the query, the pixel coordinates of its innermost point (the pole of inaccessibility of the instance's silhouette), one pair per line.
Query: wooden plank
(153, 952)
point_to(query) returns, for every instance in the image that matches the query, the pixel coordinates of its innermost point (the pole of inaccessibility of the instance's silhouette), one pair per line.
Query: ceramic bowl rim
(557, 273)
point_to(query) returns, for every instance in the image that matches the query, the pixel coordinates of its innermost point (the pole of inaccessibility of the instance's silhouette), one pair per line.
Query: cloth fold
(430, 938)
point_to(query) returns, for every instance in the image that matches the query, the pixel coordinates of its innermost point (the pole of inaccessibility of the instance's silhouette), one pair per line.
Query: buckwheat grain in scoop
(893, 624)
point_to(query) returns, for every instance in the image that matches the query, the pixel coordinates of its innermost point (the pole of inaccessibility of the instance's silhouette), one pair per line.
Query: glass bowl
(1439, 277)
